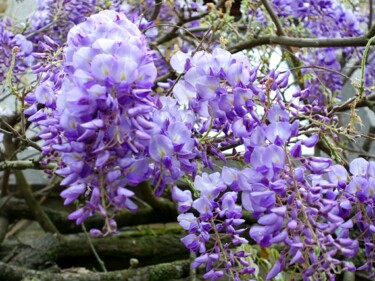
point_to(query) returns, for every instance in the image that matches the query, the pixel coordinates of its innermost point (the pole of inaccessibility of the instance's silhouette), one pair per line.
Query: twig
(174, 27)
(363, 67)
(18, 135)
(173, 33)
(367, 142)
(279, 28)
(100, 261)
(321, 68)
(371, 8)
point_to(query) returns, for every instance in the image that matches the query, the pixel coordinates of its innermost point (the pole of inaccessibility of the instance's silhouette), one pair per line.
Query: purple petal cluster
(102, 120)
(222, 91)
(314, 217)
(360, 191)
(217, 219)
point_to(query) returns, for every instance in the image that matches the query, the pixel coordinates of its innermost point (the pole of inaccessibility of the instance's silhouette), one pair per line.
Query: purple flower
(258, 201)
(73, 192)
(209, 185)
(183, 198)
(359, 167)
(194, 243)
(187, 221)
(277, 267)
(179, 62)
(160, 148)
(278, 132)
(337, 174)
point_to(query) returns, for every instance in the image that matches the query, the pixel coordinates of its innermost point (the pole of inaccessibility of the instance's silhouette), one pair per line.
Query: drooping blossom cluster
(360, 191)
(221, 89)
(290, 195)
(219, 222)
(101, 117)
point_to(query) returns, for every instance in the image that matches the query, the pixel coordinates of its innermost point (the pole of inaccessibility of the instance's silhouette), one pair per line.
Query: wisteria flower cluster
(90, 123)
(108, 129)
(219, 220)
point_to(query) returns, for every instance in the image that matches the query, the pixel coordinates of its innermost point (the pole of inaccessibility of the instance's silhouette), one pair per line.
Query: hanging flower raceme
(100, 118)
(92, 119)
(219, 218)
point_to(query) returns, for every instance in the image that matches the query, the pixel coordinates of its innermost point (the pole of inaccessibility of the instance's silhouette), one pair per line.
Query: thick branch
(301, 42)
(14, 209)
(25, 164)
(145, 247)
(371, 32)
(160, 205)
(365, 101)
(26, 192)
(156, 10)
(280, 32)
(4, 224)
(159, 272)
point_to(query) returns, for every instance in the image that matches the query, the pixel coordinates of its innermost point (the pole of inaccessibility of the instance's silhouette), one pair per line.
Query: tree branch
(26, 192)
(158, 204)
(173, 33)
(279, 28)
(14, 209)
(156, 10)
(4, 224)
(161, 245)
(25, 164)
(347, 105)
(280, 32)
(159, 272)
(302, 42)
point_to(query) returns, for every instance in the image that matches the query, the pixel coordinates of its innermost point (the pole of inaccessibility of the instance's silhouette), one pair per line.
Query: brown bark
(159, 272)
(13, 209)
(26, 192)
(52, 248)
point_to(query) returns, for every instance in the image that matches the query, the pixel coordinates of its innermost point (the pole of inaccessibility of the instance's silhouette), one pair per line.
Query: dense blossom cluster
(330, 19)
(90, 123)
(107, 127)
(110, 127)
(271, 178)
(219, 220)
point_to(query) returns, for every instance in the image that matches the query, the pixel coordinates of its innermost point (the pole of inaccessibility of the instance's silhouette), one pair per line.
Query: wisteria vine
(115, 110)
